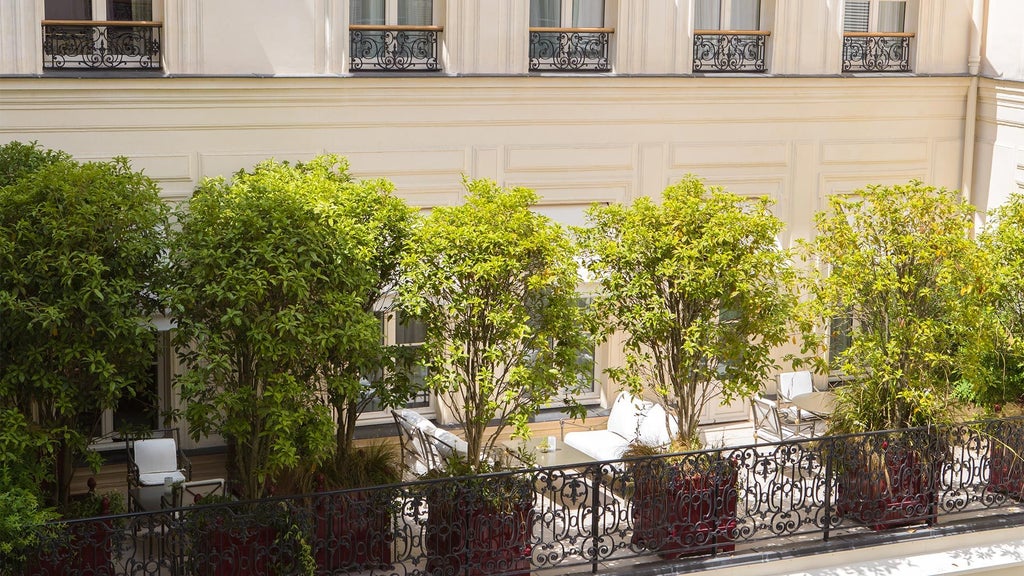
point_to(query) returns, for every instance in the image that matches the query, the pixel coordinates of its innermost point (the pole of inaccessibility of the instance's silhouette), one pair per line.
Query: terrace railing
(101, 45)
(780, 496)
(876, 52)
(569, 49)
(393, 48)
(729, 50)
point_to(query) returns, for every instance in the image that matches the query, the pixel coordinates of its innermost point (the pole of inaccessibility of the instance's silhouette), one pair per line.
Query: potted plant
(353, 521)
(897, 264)
(258, 538)
(700, 289)
(495, 285)
(999, 386)
(683, 505)
(478, 523)
(86, 540)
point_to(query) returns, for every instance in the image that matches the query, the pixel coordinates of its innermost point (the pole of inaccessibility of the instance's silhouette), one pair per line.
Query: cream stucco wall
(247, 80)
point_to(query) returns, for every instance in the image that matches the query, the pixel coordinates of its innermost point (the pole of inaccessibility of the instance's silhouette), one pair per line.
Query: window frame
(725, 9)
(391, 14)
(873, 12)
(100, 13)
(389, 332)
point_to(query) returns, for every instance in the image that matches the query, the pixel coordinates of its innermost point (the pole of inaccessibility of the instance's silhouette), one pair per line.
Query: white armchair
(152, 464)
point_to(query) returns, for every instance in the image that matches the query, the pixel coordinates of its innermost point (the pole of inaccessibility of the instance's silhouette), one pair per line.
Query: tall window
(117, 10)
(138, 409)
(727, 15)
(875, 16)
(566, 13)
(392, 12)
(408, 333)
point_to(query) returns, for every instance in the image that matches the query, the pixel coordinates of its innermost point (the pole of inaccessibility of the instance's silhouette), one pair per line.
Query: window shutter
(855, 17)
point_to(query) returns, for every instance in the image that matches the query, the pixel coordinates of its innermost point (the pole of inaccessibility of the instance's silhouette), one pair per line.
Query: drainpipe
(971, 113)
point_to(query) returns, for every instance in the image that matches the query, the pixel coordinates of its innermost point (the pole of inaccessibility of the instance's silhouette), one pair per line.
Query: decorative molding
(875, 151)
(568, 158)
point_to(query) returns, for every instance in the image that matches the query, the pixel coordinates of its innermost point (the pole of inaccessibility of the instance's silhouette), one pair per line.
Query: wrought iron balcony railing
(569, 49)
(393, 48)
(729, 50)
(101, 45)
(554, 520)
(876, 52)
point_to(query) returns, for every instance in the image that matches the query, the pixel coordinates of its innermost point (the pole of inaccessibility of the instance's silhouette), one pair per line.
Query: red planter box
(469, 538)
(87, 552)
(682, 514)
(235, 552)
(1006, 460)
(900, 493)
(353, 532)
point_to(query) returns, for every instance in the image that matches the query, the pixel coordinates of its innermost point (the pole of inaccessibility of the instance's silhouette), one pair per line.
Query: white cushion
(652, 428)
(154, 478)
(156, 455)
(598, 444)
(794, 384)
(625, 415)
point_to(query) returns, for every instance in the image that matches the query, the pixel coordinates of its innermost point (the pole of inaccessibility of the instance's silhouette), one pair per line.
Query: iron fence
(393, 48)
(559, 519)
(722, 51)
(569, 49)
(870, 52)
(101, 45)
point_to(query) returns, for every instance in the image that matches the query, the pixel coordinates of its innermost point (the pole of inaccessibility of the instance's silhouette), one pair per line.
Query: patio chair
(154, 463)
(771, 426)
(424, 446)
(792, 384)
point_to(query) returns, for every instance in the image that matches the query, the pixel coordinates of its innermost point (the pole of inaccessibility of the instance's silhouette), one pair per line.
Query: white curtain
(745, 15)
(415, 12)
(367, 12)
(545, 13)
(588, 14)
(68, 10)
(892, 16)
(855, 16)
(707, 15)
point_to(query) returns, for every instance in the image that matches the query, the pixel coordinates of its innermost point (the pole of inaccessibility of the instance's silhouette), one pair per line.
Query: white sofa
(630, 420)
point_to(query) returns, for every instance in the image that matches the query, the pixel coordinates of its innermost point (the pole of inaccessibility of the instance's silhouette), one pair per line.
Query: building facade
(583, 100)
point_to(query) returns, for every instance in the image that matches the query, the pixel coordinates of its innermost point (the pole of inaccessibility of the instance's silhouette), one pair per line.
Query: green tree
(272, 275)
(80, 266)
(495, 285)
(362, 370)
(700, 289)
(899, 263)
(1001, 377)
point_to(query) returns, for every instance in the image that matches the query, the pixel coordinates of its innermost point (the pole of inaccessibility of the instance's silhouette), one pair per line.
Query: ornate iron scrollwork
(393, 50)
(107, 46)
(876, 53)
(569, 51)
(728, 52)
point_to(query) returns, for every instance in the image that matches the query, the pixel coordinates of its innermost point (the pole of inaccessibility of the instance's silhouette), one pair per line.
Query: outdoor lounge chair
(772, 425)
(153, 463)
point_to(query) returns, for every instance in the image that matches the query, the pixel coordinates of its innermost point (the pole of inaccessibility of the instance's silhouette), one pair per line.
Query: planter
(224, 551)
(886, 486)
(466, 534)
(1006, 459)
(353, 532)
(680, 514)
(88, 550)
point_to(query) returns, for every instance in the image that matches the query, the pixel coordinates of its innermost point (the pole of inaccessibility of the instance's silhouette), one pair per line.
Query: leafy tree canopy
(898, 261)
(272, 274)
(495, 284)
(1000, 379)
(700, 288)
(80, 266)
